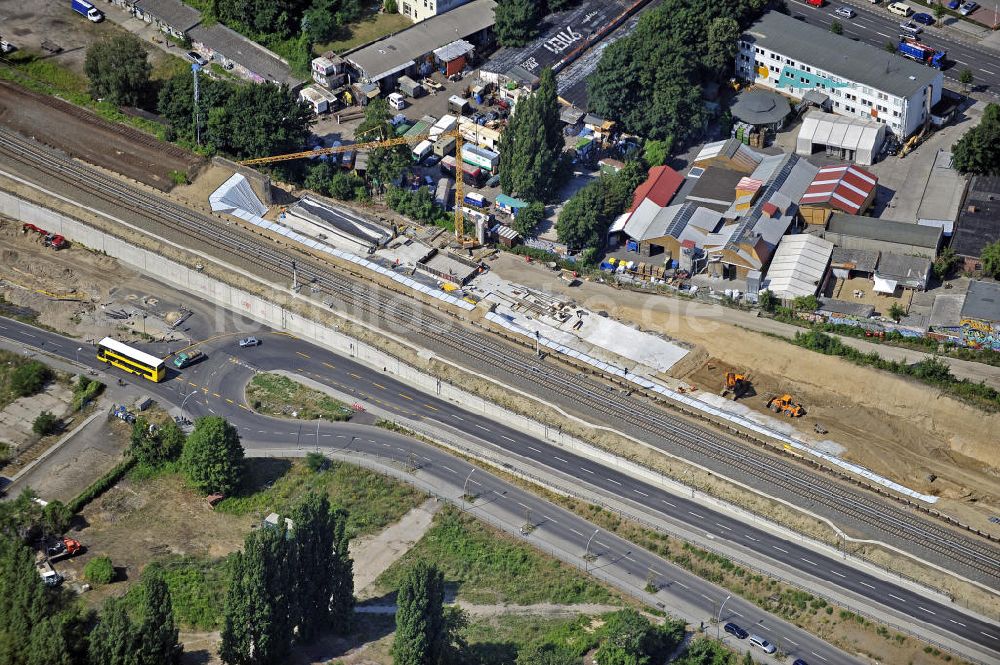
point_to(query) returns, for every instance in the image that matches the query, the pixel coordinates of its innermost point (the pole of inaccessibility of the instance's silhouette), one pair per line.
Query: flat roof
(234, 46)
(858, 310)
(174, 13)
(942, 197)
(395, 52)
(885, 230)
(982, 302)
(715, 188)
(979, 221)
(841, 56)
(859, 260)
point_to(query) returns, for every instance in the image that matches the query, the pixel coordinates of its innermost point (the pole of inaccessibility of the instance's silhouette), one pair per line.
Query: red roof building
(661, 185)
(845, 188)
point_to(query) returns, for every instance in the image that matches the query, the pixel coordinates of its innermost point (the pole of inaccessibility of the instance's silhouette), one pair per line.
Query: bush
(6, 453)
(29, 378)
(99, 570)
(317, 462)
(85, 391)
(46, 423)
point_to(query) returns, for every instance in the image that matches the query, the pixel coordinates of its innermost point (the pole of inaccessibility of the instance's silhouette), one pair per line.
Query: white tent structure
(843, 137)
(236, 194)
(798, 266)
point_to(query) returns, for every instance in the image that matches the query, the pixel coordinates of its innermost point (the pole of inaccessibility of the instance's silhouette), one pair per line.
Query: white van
(899, 9)
(397, 101)
(421, 151)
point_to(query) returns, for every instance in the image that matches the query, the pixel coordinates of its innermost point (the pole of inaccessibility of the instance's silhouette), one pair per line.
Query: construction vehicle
(735, 385)
(786, 406)
(49, 576)
(914, 49)
(53, 240)
(64, 548)
(386, 143)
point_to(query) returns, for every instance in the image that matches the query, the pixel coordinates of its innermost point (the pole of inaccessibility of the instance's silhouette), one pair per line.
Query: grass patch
(497, 640)
(363, 31)
(18, 374)
(372, 501)
(487, 566)
(277, 395)
(198, 588)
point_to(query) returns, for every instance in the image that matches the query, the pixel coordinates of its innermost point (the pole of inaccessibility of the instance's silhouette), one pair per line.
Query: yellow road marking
(230, 401)
(355, 375)
(192, 384)
(432, 408)
(301, 354)
(329, 365)
(406, 396)
(378, 385)
(244, 406)
(217, 395)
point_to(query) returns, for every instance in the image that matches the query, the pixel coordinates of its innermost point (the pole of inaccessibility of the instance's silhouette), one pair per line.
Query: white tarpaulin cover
(883, 285)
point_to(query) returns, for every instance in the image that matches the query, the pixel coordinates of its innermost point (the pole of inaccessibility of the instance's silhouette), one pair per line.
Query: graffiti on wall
(979, 334)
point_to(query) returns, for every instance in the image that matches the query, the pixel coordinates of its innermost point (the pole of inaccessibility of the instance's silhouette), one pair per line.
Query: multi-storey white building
(794, 57)
(418, 10)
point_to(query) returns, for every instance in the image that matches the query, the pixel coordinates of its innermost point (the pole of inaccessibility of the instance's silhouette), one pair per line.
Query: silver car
(910, 27)
(846, 12)
(249, 341)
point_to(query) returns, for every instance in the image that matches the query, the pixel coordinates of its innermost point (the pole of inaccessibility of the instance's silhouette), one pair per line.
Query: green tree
(896, 311)
(978, 152)
(213, 456)
(965, 77)
(113, 640)
(317, 462)
(531, 146)
(342, 186)
(390, 7)
(767, 301)
(723, 38)
(516, 21)
(48, 643)
(938, 12)
(747, 658)
(656, 153)
(547, 654)
(45, 423)
(157, 636)
(99, 570)
(890, 46)
(56, 518)
(704, 651)
(581, 223)
(257, 622)
(806, 304)
(24, 603)
(259, 119)
(837, 28)
(528, 219)
(630, 639)
(990, 258)
(619, 188)
(318, 177)
(29, 378)
(945, 263)
(420, 625)
(385, 165)
(118, 69)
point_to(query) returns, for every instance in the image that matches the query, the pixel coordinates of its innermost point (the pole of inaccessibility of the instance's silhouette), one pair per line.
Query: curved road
(215, 386)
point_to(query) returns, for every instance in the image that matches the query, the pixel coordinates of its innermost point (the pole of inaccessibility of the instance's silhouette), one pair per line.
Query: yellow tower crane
(386, 143)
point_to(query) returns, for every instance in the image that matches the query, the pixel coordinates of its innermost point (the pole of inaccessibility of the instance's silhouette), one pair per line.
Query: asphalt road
(216, 385)
(874, 25)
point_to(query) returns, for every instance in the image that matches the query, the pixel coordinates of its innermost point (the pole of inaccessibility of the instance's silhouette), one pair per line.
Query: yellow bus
(132, 360)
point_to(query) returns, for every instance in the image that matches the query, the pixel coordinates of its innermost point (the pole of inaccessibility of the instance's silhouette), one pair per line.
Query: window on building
(807, 68)
(836, 104)
(895, 114)
(406, 8)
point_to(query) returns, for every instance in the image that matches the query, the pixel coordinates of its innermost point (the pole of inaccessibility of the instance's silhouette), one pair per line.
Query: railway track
(880, 515)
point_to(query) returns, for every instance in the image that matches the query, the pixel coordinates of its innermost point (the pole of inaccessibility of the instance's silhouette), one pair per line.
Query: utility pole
(587, 556)
(465, 487)
(195, 68)
(718, 619)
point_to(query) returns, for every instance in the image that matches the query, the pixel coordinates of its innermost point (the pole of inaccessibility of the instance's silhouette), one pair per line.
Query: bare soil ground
(901, 429)
(83, 135)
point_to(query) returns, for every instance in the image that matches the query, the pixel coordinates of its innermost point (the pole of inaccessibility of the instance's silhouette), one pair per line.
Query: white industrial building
(841, 137)
(799, 266)
(861, 80)
(418, 10)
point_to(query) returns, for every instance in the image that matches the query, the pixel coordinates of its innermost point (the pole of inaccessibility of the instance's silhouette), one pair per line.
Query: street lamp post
(465, 487)
(718, 619)
(184, 401)
(586, 555)
(78, 350)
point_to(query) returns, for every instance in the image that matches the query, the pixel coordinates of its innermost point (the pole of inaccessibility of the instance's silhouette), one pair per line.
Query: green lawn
(372, 501)
(197, 590)
(497, 640)
(364, 31)
(278, 395)
(487, 566)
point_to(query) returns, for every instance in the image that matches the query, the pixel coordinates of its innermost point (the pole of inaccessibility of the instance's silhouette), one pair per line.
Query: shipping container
(409, 87)
(448, 165)
(481, 157)
(442, 195)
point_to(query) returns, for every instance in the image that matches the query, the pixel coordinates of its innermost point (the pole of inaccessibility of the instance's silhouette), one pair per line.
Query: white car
(910, 27)
(249, 341)
(846, 12)
(762, 644)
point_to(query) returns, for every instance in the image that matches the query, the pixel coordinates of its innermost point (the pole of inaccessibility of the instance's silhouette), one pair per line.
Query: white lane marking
(535, 449)
(701, 517)
(839, 574)
(957, 623)
(341, 436)
(925, 609)
(630, 558)
(682, 584)
(27, 334)
(639, 492)
(960, 61)
(736, 614)
(897, 597)
(550, 519)
(751, 537)
(992, 637)
(523, 506)
(668, 503)
(779, 549)
(790, 641)
(510, 439)
(449, 468)
(454, 415)
(611, 480)
(819, 656)
(811, 563)
(576, 532)
(560, 459)
(586, 469)
(868, 585)
(723, 526)
(485, 429)
(986, 71)
(386, 445)
(708, 598)
(881, 33)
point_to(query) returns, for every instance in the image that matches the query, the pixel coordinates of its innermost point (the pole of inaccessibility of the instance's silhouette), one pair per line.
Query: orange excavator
(786, 406)
(735, 385)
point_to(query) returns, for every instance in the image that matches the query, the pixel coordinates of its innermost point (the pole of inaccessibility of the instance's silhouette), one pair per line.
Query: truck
(475, 199)
(49, 576)
(409, 87)
(187, 358)
(481, 157)
(64, 548)
(914, 50)
(84, 8)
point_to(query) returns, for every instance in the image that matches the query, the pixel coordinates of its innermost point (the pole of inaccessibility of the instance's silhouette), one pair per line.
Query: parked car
(196, 57)
(735, 630)
(799, 661)
(493, 181)
(910, 27)
(762, 644)
(954, 4)
(925, 19)
(968, 8)
(845, 11)
(432, 160)
(249, 341)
